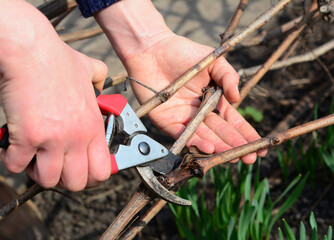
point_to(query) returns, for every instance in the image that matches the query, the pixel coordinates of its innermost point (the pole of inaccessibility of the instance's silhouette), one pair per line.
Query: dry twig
(304, 104)
(232, 26)
(273, 58)
(115, 80)
(57, 20)
(81, 34)
(54, 8)
(307, 57)
(198, 167)
(28, 194)
(266, 36)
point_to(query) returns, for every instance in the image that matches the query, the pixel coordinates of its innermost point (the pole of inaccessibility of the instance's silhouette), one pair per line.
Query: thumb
(225, 75)
(100, 71)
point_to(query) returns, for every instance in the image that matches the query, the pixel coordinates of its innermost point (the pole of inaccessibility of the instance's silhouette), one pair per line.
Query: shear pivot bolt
(144, 148)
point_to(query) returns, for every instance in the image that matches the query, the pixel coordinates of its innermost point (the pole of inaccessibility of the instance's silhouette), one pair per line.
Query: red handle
(4, 137)
(114, 167)
(114, 104)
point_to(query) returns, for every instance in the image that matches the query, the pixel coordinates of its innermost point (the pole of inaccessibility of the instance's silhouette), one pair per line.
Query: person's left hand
(165, 61)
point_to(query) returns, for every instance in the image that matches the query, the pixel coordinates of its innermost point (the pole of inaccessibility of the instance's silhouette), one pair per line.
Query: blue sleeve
(89, 7)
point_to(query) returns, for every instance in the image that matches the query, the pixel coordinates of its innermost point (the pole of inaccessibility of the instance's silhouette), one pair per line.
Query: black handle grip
(4, 141)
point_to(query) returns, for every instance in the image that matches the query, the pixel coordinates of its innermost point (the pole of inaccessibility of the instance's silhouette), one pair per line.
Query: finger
(225, 75)
(100, 71)
(229, 135)
(201, 144)
(209, 135)
(16, 158)
(99, 163)
(204, 138)
(233, 117)
(47, 167)
(206, 135)
(75, 169)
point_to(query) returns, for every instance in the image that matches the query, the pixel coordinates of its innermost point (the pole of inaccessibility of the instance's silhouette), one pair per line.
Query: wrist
(132, 26)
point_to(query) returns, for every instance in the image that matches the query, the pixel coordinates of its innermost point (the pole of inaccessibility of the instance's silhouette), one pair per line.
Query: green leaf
(313, 222)
(289, 201)
(192, 195)
(267, 216)
(314, 234)
(329, 137)
(241, 111)
(302, 231)
(328, 159)
(282, 163)
(230, 228)
(185, 231)
(290, 186)
(257, 173)
(253, 113)
(227, 207)
(280, 234)
(250, 112)
(315, 110)
(260, 195)
(288, 231)
(246, 217)
(248, 183)
(330, 233)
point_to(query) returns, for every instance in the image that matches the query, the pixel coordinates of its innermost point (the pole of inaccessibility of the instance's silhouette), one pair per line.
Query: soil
(275, 96)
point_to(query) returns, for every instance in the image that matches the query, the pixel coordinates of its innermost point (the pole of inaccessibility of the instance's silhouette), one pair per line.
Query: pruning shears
(137, 149)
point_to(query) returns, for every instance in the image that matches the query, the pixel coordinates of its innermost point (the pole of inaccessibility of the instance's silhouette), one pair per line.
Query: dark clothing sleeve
(89, 7)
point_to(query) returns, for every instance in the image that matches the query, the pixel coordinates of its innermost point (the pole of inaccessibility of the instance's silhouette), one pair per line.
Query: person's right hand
(50, 106)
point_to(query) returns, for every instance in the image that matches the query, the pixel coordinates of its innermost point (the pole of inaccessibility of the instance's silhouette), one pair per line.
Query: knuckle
(48, 183)
(86, 128)
(238, 123)
(76, 187)
(96, 120)
(102, 175)
(47, 178)
(36, 136)
(14, 168)
(57, 137)
(74, 183)
(104, 67)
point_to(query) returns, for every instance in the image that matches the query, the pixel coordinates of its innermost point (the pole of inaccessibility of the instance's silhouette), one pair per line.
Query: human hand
(155, 56)
(166, 60)
(50, 106)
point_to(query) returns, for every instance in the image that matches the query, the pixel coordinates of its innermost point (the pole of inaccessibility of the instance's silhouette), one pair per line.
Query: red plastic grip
(4, 137)
(114, 167)
(2, 132)
(114, 103)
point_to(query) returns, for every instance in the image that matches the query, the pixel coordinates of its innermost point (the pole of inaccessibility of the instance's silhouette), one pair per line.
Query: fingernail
(237, 89)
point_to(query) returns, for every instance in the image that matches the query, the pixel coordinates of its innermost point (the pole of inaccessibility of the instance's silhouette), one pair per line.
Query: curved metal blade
(152, 183)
